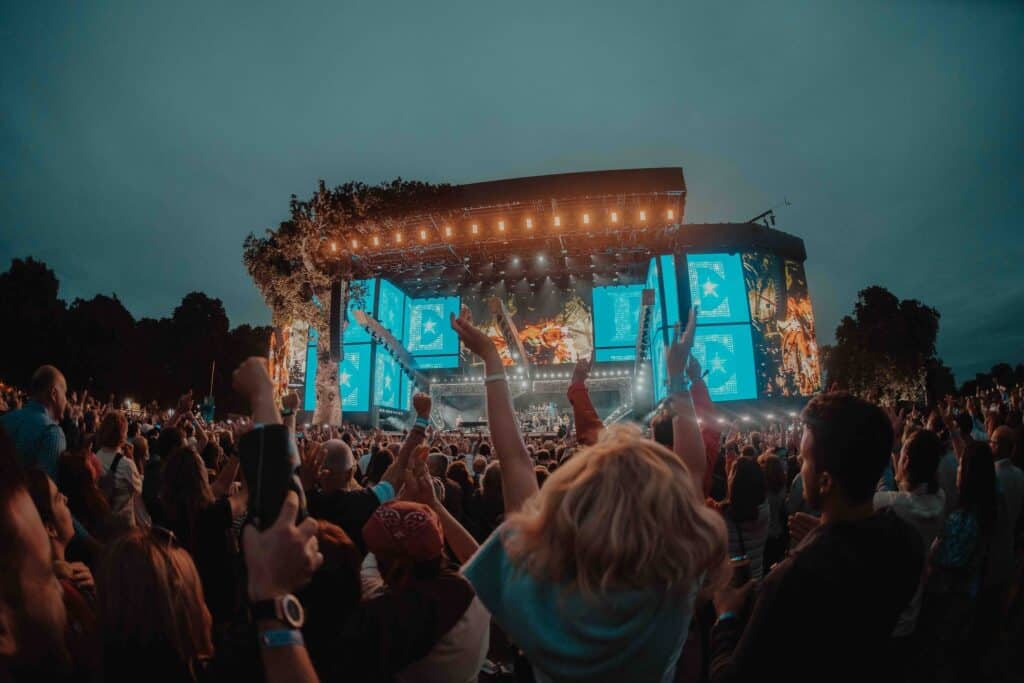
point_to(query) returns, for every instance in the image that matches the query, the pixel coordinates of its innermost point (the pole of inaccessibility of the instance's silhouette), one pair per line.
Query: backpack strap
(113, 465)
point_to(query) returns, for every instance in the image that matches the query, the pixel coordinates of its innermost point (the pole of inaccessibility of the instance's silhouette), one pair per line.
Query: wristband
(287, 412)
(422, 422)
(679, 385)
(496, 377)
(282, 638)
(725, 616)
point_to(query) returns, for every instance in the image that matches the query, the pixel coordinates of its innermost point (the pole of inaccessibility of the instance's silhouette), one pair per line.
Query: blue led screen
(428, 329)
(615, 354)
(391, 309)
(437, 362)
(717, 286)
(386, 381)
(354, 332)
(354, 378)
(616, 311)
(726, 353)
(671, 285)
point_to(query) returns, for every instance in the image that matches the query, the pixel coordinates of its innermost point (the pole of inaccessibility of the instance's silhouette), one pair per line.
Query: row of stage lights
(558, 375)
(375, 241)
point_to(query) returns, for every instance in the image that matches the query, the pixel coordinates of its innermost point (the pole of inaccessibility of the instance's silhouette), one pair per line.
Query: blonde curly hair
(624, 513)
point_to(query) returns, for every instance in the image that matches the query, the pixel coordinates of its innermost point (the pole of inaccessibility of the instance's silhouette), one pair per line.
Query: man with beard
(32, 616)
(838, 595)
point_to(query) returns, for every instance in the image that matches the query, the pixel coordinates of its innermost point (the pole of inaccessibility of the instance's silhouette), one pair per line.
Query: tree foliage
(101, 347)
(887, 348)
(294, 265)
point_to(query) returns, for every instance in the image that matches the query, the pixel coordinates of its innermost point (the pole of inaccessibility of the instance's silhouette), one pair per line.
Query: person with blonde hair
(120, 480)
(595, 576)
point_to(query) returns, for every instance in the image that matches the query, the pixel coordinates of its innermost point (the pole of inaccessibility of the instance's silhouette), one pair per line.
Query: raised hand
(582, 369)
(678, 352)
(473, 337)
(283, 557)
(290, 401)
(421, 404)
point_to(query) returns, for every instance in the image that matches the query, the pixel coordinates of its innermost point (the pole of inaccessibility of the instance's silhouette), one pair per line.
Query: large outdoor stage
(559, 267)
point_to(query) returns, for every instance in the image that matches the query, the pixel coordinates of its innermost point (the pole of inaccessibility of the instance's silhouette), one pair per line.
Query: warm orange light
(643, 215)
(501, 226)
(355, 244)
(586, 219)
(558, 221)
(398, 237)
(423, 235)
(376, 241)
(334, 246)
(475, 229)
(671, 214)
(447, 231)
(615, 217)
(529, 224)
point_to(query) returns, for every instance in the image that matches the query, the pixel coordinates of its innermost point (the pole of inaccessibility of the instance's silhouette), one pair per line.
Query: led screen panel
(616, 311)
(386, 381)
(437, 362)
(391, 309)
(612, 355)
(658, 367)
(726, 353)
(717, 286)
(429, 331)
(354, 333)
(309, 394)
(354, 378)
(670, 282)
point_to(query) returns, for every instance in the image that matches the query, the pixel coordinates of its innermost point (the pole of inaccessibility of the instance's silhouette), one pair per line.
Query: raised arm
(588, 422)
(518, 481)
(686, 437)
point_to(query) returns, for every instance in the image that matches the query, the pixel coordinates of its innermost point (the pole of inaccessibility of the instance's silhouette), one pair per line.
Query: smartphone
(270, 464)
(740, 570)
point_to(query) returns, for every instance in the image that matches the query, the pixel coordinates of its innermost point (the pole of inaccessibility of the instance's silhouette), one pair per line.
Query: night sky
(141, 142)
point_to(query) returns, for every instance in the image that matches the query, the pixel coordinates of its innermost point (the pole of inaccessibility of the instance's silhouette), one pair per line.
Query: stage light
(746, 418)
(355, 244)
(501, 226)
(586, 219)
(334, 246)
(558, 221)
(447, 231)
(474, 229)
(376, 241)
(529, 224)
(643, 215)
(540, 258)
(515, 260)
(770, 416)
(615, 217)
(170, 412)
(720, 420)
(792, 413)
(423, 235)
(398, 237)
(670, 214)
(127, 402)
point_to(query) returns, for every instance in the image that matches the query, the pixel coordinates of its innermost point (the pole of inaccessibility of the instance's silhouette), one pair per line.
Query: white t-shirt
(127, 483)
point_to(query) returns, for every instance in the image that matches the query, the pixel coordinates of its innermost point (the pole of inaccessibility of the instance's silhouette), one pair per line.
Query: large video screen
(717, 286)
(429, 329)
(726, 355)
(437, 362)
(361, 298)
(616, 313)
(782, 323)
(555, 325)
(391, 309)
(387, 381)
(354, 378)
(670, 283)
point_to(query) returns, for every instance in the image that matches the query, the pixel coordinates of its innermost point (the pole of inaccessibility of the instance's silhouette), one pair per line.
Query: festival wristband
(282, 638)
(496, 377)
(384, 492)
(422, 422)
(725, 616)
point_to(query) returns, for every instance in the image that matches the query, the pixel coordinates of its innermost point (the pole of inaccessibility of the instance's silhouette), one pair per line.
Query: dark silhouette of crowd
(853, 542)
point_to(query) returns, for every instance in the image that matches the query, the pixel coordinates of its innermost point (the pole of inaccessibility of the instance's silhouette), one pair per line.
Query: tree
(886, 348)
(32, 316)
(294, 266)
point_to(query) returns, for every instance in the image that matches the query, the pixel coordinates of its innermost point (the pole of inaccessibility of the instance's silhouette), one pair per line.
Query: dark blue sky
(139, 145)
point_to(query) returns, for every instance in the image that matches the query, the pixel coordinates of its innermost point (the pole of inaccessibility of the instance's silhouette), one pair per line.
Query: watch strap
(285, 637)
(264, 609)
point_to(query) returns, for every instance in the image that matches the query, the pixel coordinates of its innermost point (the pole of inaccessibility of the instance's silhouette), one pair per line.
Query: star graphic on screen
(718, 364)
(429, 326)
(387, 382)
(710, 288)
(345, 377)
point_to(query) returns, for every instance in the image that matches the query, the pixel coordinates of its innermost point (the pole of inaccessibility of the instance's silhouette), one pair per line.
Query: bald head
(49, 387)
(1002, 442)
(437, 464)
(338, 467)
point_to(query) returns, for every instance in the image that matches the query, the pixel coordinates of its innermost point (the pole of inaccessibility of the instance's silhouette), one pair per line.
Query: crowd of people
(870, 543)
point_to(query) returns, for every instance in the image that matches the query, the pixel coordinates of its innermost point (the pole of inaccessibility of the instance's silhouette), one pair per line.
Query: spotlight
(540, 258)
(529, 224)
(720, 420)
(501, 226)
(515, 260)
(670, 214)
(376, 241)
(746, 418)
(423, 235)
(792, 413)
(586, 219)
(770, 416)
(474, 229)
(643, 215)
(558, 221)
(447, 231)
(355, 244)
(398, 237)
(334, 246)
(615, 217)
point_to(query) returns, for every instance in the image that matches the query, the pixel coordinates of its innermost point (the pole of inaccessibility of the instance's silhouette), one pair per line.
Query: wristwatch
(284, 608)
